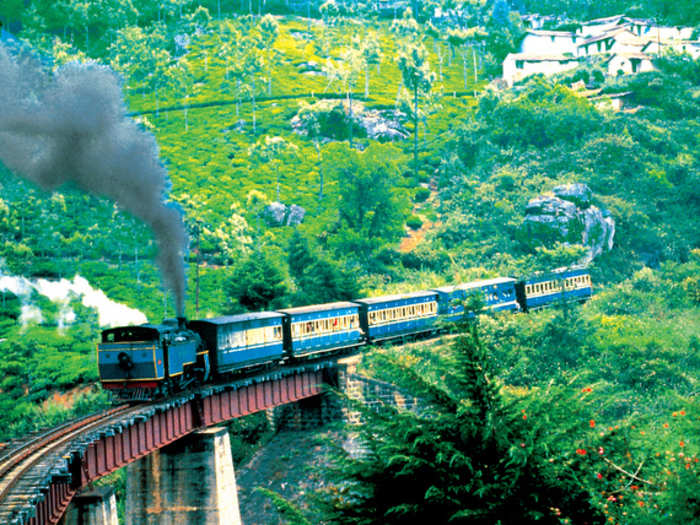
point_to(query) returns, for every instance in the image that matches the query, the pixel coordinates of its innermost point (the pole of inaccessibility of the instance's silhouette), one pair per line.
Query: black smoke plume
(70, 126)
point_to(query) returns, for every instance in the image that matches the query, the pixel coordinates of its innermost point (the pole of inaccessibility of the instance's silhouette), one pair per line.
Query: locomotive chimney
(182, 323)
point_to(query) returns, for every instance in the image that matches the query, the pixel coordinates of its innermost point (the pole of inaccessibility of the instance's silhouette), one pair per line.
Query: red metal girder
(206, 408)
(216, 408)
(133, 439)
(141, 429)
(243, 401)
(179, 421)
(170, 425)
(162, 425)
(162, 428)
(91, 459)
(189, 416)
(158, 433)
(110, 462)
(226, 405)
(100, 466)
(235, 405)
(150, 443)
(284, 390)
(119, 448)
(276, 392)
(260, 396)
(299, 386)
(266, 393)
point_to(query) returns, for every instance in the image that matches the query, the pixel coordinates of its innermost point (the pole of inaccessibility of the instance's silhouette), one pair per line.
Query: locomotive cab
(142, 361)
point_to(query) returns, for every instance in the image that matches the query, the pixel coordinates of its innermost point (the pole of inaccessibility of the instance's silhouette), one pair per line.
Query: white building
(518, 66)
(628, 63)
(600, 25)
(549, 42)
(617, 41)
(626, 43)
(654, 47)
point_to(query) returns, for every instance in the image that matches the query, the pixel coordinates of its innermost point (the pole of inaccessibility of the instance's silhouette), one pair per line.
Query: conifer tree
(467, 456)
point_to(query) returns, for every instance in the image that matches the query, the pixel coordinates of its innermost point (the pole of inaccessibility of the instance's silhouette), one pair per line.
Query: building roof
(528, 57)
(543, 32)
(640, 56)
(318, 308)
(598, 21)
(230, 319)
(396, 297)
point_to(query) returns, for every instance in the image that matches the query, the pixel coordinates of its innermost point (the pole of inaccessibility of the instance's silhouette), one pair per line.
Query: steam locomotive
(154, 360)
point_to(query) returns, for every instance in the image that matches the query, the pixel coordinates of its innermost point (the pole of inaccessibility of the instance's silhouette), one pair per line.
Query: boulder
(579, 194)
(274, 213)
(279, 214)
(295, 215)
(567, 215)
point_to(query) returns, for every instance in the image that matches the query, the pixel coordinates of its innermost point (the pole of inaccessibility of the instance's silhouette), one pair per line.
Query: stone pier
(190, 481)
(93, 507)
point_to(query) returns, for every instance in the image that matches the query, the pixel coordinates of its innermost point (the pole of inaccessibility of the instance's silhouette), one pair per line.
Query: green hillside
(251, 109)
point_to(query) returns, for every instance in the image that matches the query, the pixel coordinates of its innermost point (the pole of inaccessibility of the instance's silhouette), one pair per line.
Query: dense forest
(325, 151)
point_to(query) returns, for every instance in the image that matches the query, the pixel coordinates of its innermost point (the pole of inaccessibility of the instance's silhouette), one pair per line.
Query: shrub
(421, 194)
(414, 222)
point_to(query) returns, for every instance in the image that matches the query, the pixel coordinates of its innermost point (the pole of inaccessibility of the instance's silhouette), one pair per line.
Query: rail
(16, 464)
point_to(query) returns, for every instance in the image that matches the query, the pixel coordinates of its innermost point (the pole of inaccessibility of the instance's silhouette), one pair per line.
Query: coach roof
(228, 319)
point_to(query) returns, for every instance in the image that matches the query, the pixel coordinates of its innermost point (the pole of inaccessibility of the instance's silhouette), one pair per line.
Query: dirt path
(414, 237)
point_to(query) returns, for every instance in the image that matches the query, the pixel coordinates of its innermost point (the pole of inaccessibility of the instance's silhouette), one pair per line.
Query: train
(150, 361)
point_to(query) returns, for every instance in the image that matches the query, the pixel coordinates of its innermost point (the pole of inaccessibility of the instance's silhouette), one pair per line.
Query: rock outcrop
(279, 214)
(567, 215)
(332, 118)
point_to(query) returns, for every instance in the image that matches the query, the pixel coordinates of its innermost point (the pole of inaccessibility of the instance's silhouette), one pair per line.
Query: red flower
(640, 503)
(601, 450)
(524, 416)
(682, 443)
(592, 423)
(682, 412)
(599, 475)
(587, 389)
(581, 451)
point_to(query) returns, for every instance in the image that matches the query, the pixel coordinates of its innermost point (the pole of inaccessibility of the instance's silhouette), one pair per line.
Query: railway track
(21, 469)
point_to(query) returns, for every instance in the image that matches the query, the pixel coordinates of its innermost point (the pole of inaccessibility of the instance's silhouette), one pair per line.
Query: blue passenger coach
(239, 341)
(559, 285)
(395, 315)
(311, 329)
(498, 294)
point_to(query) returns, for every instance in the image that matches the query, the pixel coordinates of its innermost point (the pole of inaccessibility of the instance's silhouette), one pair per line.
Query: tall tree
(345, 72)
(418, 79)
(269, 31)
(309, 115)
(256, 283)
(371, 54)
(181, 72)
(366, 218)
(274, 151)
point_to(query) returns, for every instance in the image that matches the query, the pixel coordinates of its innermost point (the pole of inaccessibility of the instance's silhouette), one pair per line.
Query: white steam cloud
(62, 292)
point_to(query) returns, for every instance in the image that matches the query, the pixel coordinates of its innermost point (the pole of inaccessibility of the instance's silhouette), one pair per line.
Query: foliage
(256, 283)
(470, 457)
(318, 279)
(366, 219)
